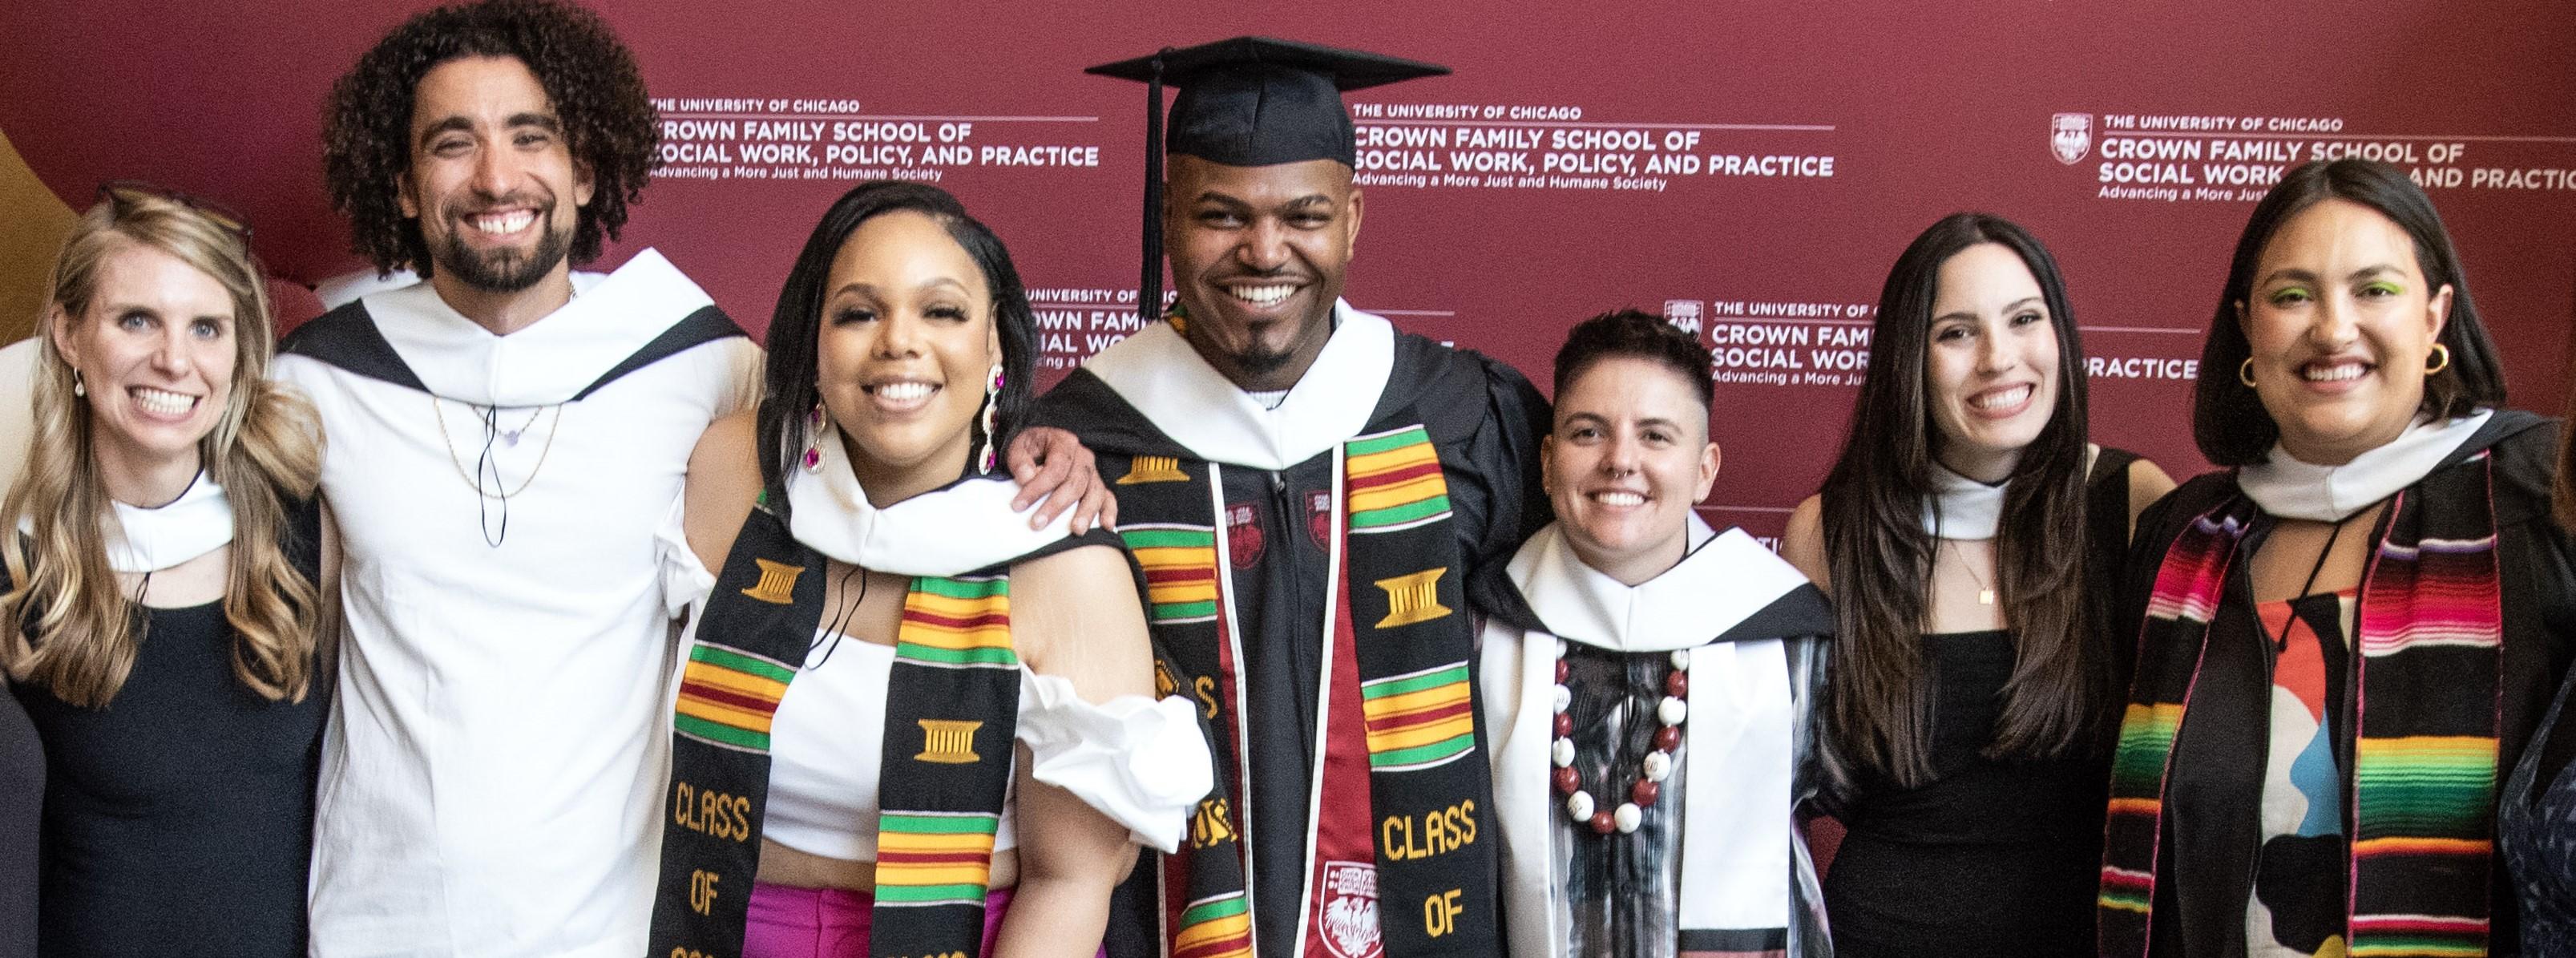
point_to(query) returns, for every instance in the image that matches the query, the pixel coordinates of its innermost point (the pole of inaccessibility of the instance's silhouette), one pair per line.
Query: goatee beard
(502, 271)
(1261, 363)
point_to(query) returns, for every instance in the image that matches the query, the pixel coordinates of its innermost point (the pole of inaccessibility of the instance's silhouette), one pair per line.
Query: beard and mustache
(502, 270)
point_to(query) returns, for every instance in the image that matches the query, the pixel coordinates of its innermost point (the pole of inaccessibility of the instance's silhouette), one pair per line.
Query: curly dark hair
(609, 124)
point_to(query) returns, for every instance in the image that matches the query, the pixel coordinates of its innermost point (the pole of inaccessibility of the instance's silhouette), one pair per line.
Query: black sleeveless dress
(179, 818)
(1992, 858)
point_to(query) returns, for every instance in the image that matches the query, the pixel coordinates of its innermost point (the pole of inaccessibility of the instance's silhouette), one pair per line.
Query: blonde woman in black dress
(159, 621)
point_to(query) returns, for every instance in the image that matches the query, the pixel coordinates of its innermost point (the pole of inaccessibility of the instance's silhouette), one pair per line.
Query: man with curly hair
(504, 437)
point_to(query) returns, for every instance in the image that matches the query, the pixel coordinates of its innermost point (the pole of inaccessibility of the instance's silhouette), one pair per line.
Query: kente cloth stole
(952, 710)
(2430, 630)
(1403, 861)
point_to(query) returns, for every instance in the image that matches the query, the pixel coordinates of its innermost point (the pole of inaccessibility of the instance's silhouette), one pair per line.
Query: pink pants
(828, 922)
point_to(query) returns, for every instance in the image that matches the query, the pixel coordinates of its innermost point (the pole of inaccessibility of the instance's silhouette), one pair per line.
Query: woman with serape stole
(1650, 683)
(907, 723)
(2348, 638)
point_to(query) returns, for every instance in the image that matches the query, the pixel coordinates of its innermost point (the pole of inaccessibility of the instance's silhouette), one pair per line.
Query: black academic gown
(2210, 841)
(1485, 420)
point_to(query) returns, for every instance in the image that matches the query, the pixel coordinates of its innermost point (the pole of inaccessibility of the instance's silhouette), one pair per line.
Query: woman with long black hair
(903, 714)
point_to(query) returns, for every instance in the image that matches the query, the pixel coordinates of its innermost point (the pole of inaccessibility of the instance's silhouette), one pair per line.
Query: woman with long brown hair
(1966, 534)
(164, 593)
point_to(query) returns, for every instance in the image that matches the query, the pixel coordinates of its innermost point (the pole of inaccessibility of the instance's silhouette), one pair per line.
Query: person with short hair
(1969, 533)
(1308, 489)
(166, 594)
(1651, 683)
(2350, 632)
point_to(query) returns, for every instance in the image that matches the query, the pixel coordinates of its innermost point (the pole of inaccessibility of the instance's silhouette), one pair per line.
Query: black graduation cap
(1248, 101)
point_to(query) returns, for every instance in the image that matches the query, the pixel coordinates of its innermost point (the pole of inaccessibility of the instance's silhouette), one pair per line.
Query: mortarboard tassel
(1149, 294)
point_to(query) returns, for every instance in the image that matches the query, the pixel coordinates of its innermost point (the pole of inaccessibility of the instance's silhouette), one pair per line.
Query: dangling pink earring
(814, 438)
(992, 404)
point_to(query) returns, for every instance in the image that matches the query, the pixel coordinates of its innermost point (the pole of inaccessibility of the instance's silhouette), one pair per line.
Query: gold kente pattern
(777, 585)
(1413, 598)
(948, 742)
(1153, 469)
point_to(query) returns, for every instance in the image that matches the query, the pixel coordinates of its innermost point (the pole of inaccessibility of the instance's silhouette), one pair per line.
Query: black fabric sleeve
(1505, 453)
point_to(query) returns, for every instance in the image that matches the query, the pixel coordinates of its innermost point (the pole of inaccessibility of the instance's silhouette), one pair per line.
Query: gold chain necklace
(438, 412)
(1985, 593)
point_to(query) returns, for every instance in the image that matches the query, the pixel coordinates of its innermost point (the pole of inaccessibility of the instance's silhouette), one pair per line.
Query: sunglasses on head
(128, 192)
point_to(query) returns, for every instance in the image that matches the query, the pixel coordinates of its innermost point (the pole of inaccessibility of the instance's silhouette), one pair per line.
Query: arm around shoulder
(723, 483)
(746, 365)
(2147, 483)
(1803, 544)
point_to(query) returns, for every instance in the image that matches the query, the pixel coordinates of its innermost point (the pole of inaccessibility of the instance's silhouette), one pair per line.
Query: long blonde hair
(65, 625)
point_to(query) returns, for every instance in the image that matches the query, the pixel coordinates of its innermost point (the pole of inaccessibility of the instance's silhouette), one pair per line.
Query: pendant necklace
(1985, 593)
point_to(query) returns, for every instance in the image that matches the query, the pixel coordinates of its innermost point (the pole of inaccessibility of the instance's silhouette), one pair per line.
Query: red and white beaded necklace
(1652, 770)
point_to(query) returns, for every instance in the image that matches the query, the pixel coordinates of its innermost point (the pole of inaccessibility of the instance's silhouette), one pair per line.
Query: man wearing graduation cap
(1307, 490)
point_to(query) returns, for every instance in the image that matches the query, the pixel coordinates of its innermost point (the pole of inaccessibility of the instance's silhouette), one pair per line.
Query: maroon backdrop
(1748, 168)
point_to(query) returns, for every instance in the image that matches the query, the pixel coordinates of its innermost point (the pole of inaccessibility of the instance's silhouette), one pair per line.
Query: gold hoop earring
(2444, 354)
(2245, 372)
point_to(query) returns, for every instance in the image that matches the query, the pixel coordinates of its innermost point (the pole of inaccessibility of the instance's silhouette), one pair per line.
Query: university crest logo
(1243, 533)
(1319, 517)
(1349, 910)
(2070, 136)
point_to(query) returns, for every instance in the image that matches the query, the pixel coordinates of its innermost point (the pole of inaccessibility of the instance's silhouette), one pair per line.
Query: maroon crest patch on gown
(1243, 533)
(1319, 516)
(1346, 912)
